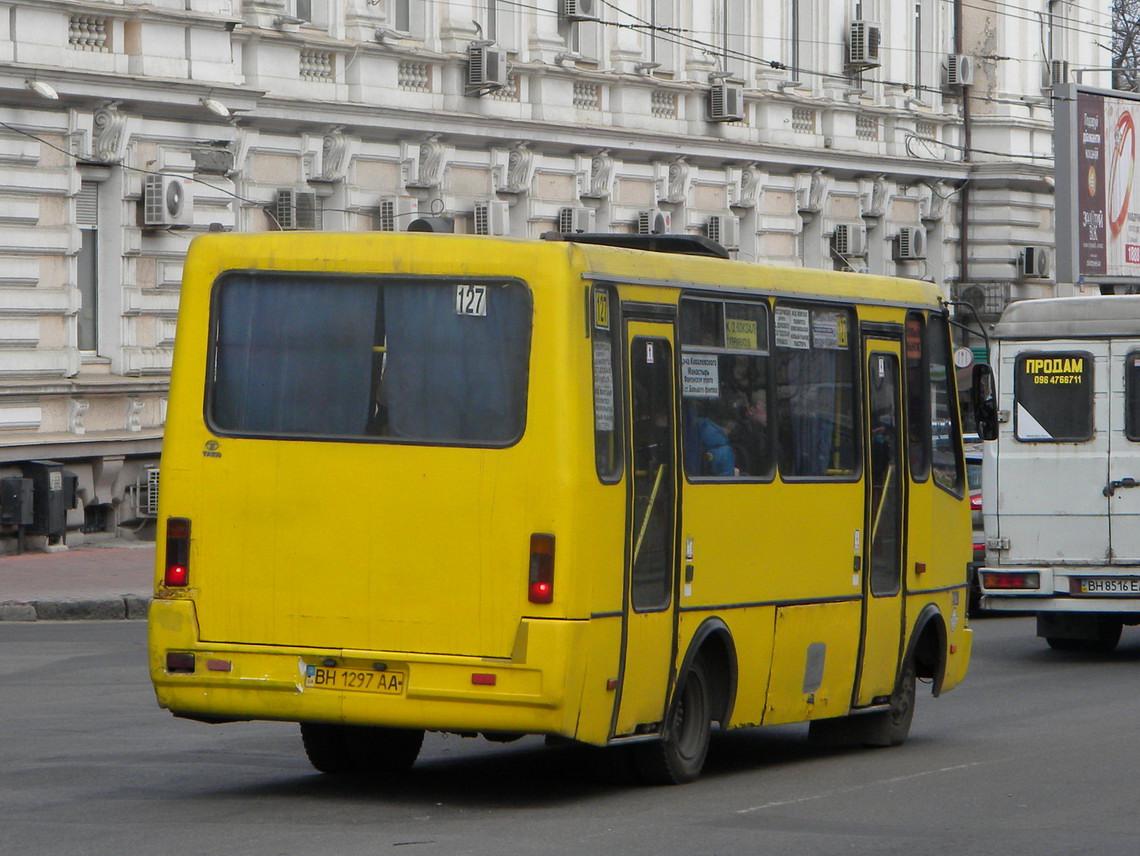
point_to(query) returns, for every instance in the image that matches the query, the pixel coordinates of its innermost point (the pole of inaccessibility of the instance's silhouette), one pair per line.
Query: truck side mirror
(983, 396)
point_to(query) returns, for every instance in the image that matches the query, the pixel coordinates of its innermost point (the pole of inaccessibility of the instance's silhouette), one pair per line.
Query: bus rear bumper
(232, 682)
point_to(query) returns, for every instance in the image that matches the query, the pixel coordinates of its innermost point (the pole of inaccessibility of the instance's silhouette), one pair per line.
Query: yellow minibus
(616, 494)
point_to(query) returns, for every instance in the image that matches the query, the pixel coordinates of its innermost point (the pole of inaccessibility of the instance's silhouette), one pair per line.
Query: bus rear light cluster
(180, 662)
(995, 580)
(540, 585)
(177, 573)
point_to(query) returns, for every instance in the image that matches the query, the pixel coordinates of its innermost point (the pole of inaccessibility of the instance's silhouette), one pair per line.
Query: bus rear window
(1053, 395)
(355, 358)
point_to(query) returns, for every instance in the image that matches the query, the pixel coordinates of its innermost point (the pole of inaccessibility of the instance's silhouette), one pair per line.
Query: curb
(127, 607)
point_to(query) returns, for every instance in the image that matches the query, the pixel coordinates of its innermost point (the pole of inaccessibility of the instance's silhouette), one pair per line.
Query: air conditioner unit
(863, 48)
(653, 222)
(726, 102)
(573, 220)
(486, 67)
(849, 240)
(725, 230)
(492, 218)
(1056, 72)
(580, 10)
(910, 244)
(393, 213)
(167, 202)
(150, 508)
(295, 210)
(959, 70)
(1033, 263)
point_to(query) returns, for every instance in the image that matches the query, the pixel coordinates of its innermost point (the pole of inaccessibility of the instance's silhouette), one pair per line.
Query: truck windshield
(360, 358)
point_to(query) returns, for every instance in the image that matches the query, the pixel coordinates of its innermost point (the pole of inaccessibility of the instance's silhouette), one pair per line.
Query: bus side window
(608, 454)
(725, 389)
(917, 398)
(945, 456)
(817, 405)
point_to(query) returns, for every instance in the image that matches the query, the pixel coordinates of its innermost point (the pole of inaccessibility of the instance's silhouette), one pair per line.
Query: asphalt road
(1035, 754)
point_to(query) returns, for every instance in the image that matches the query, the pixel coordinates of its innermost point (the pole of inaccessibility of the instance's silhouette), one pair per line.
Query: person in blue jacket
(717, 457)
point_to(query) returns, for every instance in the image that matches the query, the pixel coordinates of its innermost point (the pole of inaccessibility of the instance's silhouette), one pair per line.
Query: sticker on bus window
(700, 376)
(740, 334)
(603, 386)
(793, 328)
(829, 331)
(470, 300)
(601, 310)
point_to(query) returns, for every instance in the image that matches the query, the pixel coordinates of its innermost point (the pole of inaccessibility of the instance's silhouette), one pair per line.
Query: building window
(661, 37)
(729, 30)
(87, 272)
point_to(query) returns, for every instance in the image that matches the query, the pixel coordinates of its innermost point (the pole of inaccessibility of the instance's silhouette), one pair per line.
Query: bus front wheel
(361, 750)
(680, 754)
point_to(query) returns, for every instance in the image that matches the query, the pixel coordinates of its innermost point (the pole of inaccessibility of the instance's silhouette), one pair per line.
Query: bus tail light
(995, 580)
(540, 586)
(177, 552)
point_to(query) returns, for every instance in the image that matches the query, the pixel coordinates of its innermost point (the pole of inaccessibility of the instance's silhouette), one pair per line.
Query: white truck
(1061, 512)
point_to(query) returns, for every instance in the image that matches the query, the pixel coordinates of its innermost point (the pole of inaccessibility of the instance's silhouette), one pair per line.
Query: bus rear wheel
(680, 754)
(361, 750)
(888, 727)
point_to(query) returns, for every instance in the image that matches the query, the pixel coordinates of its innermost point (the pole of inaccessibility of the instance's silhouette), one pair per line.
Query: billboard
(1098, 188)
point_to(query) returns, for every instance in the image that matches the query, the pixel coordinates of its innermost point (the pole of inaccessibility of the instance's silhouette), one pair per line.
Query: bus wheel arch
(927, 648)
(703, 693)
(713, 644)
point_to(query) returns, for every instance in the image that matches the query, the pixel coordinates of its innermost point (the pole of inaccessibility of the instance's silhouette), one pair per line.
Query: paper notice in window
(793, 328)
(740, 334)
(829, 330)
(700, 376)
(603, 386)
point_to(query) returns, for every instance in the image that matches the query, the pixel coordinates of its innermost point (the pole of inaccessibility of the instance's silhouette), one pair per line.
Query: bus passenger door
(648, 620)
(885, 526)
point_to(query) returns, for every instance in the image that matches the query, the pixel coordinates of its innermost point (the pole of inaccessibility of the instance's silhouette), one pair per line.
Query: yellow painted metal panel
(813, 663)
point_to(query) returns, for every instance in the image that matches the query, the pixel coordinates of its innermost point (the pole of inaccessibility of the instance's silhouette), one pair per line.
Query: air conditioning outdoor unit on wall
(492, 217)
(849, 240)
(295, 210)
(1033, 263)
(726, 102)
(167, 202)
(486, 68)
(573, 220)
(393, 213)
(653, 222)
(580, 10)
(910, 244)
(959, 70)
(725, 230)
(863, 47)
(1056, 72)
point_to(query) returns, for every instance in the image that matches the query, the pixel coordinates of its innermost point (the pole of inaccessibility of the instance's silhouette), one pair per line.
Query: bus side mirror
(983, 396)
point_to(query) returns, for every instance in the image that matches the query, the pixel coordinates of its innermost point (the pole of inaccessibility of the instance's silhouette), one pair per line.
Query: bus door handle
(1111, 487)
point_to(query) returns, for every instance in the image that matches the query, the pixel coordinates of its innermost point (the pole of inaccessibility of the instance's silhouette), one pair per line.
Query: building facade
(908, 138)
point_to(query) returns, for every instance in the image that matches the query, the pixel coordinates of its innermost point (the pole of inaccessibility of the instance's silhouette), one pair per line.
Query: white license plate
(355, 680)
(1110, 585)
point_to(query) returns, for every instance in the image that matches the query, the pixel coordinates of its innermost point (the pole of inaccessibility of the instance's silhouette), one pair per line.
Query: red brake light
(177, 552)
(540, 586)
(976, 502)
(1002, 580)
